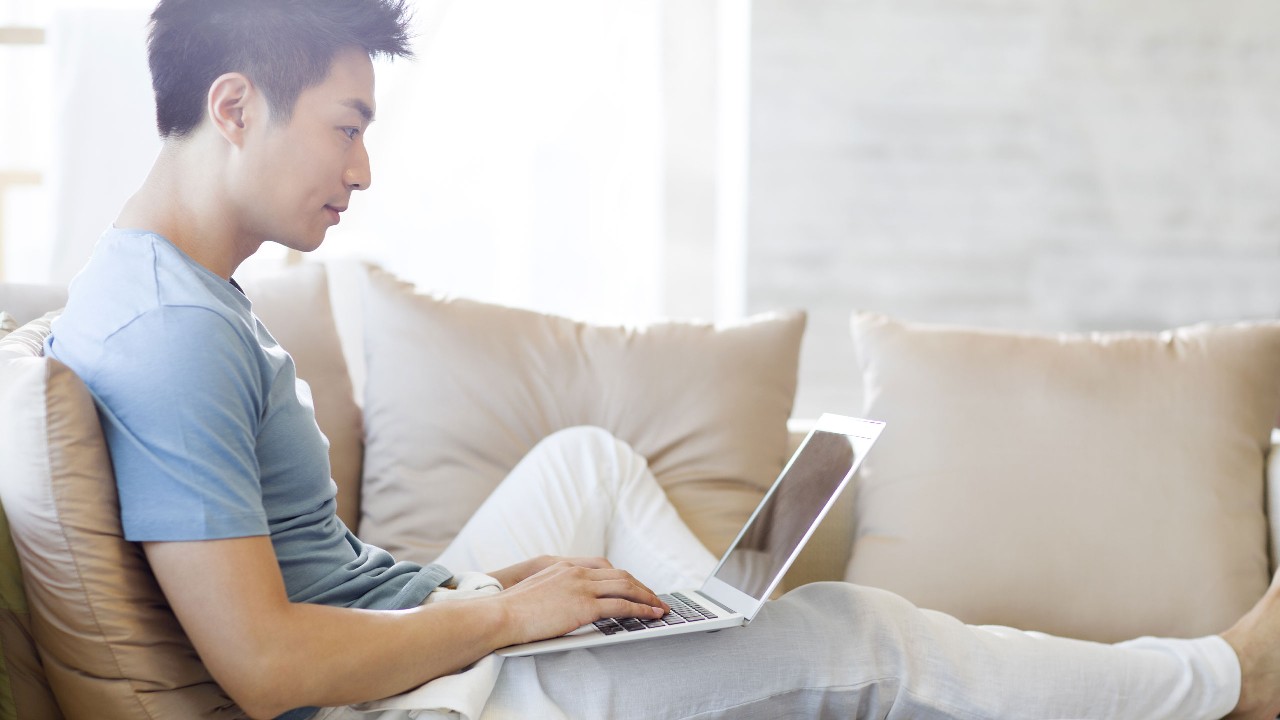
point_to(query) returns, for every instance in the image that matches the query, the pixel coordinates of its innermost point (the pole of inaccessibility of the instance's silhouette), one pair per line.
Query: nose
(357, 176)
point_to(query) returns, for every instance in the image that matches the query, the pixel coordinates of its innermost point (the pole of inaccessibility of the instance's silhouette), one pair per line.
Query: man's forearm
(272, 655)
(326, 656)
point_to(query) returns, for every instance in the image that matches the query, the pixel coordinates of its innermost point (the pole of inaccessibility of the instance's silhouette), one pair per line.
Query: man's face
(297, 176)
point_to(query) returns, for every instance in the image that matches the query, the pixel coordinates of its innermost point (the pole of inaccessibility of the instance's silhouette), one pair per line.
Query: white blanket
(462, 695)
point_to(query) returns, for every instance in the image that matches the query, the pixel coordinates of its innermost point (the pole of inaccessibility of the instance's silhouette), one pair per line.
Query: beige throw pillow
(458, 391)
(24, 689)
(110, 645)
(1097, 486)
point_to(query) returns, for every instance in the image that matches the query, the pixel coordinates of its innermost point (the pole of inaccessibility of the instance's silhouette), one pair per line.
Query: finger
(632, 589)
(646, 595)
(649, 593)
(595, 563)
(619, 607)
(628, 589)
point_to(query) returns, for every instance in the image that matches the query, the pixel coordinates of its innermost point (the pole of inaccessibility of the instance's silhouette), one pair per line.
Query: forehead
(348, 84)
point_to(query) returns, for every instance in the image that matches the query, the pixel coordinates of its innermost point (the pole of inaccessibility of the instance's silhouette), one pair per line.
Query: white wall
(1037, 164)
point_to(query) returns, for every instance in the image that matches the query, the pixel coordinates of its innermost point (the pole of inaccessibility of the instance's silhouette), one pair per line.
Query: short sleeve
(180, 395)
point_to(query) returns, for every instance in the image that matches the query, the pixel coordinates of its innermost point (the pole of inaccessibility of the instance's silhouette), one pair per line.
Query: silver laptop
(758, 559)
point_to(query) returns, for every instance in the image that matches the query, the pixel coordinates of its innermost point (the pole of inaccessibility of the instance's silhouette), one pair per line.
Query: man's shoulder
(133, 272)
(140, 294)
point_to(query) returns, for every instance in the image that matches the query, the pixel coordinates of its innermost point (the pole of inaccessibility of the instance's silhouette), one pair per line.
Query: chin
(304, 245)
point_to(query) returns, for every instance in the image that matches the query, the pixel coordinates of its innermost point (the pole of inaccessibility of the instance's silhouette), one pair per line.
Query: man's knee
(579, 437)
(590, 441)
(591, 453)
(832, 592)
(876, 614)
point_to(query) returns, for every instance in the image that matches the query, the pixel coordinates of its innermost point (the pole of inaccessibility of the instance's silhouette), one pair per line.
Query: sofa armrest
(1273, 498)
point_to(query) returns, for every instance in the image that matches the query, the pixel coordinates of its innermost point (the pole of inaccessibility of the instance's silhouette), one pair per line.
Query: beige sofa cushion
(458, 391)
(24, 690)
(110, 645)
(1273, 498)
(294, 305)
(1103, 486)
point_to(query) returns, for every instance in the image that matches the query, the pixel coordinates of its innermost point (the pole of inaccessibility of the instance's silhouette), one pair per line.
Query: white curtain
(517, 160)
(103, 123)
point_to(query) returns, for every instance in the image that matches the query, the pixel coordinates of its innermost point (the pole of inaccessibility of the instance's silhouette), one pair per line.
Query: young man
(223, 474)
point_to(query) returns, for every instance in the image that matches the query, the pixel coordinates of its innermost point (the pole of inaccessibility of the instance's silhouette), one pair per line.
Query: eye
(351, 132)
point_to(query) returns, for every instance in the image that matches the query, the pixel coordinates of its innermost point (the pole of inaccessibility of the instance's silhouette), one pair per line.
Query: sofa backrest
(26, 302)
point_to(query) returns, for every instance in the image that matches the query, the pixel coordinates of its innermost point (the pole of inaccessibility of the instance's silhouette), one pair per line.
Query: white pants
(823, 650)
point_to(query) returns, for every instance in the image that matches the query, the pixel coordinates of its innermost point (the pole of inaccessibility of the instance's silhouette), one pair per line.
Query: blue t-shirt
(211, 433)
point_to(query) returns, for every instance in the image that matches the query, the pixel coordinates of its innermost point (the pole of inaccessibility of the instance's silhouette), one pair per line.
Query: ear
(228, 105)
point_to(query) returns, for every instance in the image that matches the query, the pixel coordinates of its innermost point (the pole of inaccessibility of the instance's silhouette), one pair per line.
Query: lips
(334, 213)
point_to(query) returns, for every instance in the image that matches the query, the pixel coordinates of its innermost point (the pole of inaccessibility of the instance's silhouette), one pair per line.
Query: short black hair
(282, 46)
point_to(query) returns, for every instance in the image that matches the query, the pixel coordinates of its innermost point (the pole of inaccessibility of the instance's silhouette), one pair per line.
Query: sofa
(1100, 486)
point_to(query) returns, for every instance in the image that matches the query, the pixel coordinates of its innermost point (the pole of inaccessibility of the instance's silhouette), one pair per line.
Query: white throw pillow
(458, 391)
(1098, 486)
(7, 323)
(28, 340)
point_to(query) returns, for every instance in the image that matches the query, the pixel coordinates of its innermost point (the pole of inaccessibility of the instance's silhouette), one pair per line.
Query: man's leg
(582, 492)
(839, 650)
(824, 650)
(1256, 640)
(579, 492)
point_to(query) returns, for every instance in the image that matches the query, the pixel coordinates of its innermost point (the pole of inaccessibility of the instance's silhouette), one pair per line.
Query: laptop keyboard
(683, 610)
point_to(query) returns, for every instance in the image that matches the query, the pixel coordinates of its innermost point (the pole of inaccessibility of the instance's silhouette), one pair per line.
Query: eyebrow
(359, 106)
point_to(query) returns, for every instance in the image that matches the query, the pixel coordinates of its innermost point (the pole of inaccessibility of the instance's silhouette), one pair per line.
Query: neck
(182, 201)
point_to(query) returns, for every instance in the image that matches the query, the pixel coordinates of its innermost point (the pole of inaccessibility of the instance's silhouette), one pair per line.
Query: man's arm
(272, 655)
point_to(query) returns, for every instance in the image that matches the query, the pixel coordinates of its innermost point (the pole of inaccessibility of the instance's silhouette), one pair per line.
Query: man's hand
(567, 594)
(509, 576)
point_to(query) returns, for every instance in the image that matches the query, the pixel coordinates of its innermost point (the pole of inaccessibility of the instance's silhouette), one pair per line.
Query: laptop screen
(793, 506)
